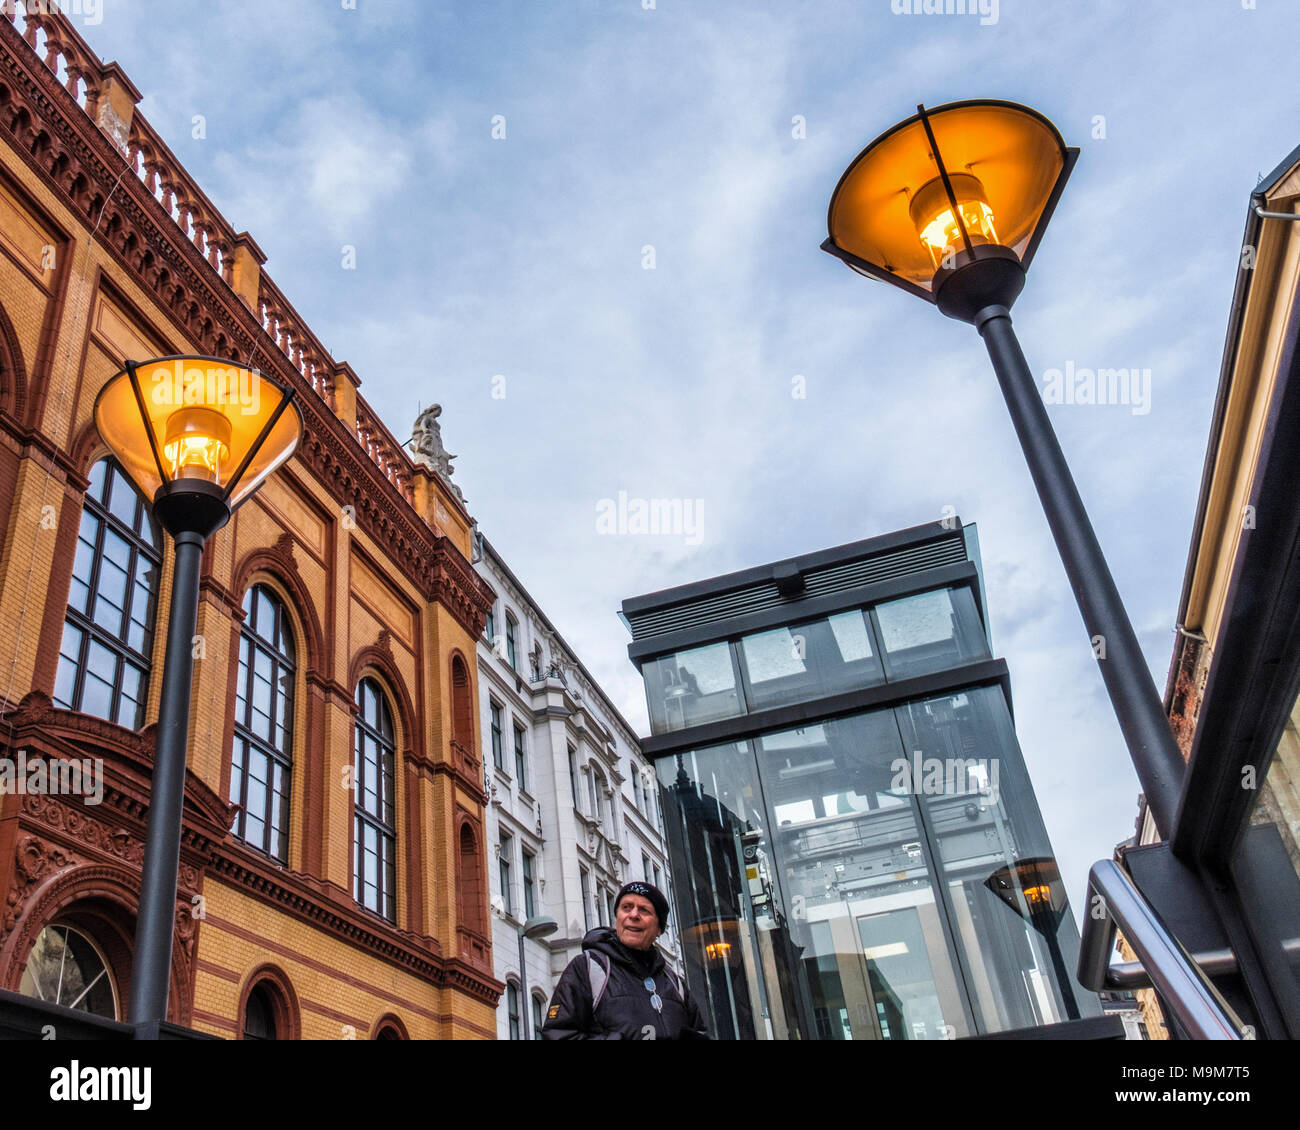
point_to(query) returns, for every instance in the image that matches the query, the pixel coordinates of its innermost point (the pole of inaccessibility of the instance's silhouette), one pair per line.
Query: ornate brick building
(332, 863)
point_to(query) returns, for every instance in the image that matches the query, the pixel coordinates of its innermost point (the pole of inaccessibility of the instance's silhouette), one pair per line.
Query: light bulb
(936, 224)
(197, 442)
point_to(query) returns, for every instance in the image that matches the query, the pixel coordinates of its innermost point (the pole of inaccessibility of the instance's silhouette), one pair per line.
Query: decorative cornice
(55, 137)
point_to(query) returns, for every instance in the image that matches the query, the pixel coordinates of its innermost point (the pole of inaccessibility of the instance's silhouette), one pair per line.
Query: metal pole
(1155, 754)
(1185, 988)
(151, 966)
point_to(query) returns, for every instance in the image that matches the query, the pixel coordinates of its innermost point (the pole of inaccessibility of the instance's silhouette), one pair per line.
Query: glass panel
(110, 595)
(808, 661)
(69, 661)
(735, 939)
(1010, 920)
(97, 689)
(122, 500)
(691, 687)
(851, 850)
(131, 703)
(930, 632)
(97, 476)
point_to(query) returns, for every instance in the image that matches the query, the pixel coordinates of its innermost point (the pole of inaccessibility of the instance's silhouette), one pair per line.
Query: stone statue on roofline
(427, 449)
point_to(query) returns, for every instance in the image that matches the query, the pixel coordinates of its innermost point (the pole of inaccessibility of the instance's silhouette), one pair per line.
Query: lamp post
(950, 206)
(197, 435)
(539, 926)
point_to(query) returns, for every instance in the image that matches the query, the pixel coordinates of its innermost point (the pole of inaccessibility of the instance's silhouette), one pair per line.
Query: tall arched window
(462, 706)
(104, 659)
(261, 762)
(470, 893)
(374, 830)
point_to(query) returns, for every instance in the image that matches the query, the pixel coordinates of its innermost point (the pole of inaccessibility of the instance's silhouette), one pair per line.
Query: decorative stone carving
(34, 859)
(427, 448)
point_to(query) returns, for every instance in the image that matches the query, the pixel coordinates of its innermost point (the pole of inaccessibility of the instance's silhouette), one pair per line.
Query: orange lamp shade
(944, 181)
(205, 419)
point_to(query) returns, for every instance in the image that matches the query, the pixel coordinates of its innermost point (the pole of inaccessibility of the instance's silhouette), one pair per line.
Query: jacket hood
(604, 940)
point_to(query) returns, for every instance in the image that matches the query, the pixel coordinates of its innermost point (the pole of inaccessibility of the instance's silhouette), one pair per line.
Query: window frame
(511, 652)
(99, 506)
(528, 875)
(362, 817)
(505, 857)
(496, 714)
(514, 1020)
(284, 676)
(521, 755)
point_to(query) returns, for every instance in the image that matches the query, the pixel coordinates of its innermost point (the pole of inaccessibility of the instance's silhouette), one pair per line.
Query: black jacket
(625, 1011)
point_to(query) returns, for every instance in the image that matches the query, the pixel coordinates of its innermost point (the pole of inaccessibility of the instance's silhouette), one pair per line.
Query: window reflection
(692, 687)
(929, 632)
(811, 660)
(881, 876)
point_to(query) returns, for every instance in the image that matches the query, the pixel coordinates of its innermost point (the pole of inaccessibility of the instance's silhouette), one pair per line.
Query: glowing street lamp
(197, 435)
(950, 206)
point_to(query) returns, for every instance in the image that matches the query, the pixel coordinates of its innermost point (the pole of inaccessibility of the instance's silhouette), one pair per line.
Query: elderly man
(619, 988)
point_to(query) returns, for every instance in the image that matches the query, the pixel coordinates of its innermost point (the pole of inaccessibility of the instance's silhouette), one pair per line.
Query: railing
(57, 43)
(1182, 984)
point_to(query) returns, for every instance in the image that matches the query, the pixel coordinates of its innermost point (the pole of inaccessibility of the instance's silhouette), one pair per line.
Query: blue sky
(672, 127)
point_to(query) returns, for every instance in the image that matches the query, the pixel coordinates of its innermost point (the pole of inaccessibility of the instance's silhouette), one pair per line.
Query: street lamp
(197, 435)
(950, 206)
(539, 926)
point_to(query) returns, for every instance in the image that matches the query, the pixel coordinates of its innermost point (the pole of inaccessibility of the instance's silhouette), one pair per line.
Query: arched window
(270, 1008)
(65, 967)
(104, 659)
(470, 887)
(512, 1009)
(374, 830)
(261, 761)
(259, 1015)
(598, 795)
(539, 1013)
(462, 709)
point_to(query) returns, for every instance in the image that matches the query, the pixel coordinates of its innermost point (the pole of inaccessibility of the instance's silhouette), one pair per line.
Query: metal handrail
(1183, 986)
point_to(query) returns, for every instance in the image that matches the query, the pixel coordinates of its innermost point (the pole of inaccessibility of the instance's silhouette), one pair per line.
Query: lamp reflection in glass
(196, 435)
(1033, 889)
(717, 939)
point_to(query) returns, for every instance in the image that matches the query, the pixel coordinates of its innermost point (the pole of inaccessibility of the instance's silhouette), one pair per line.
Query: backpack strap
(598, 975)
(676, 983)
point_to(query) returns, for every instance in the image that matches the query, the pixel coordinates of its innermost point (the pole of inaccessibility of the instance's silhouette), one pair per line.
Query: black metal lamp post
(538, 927)
(198, 435)
(950, 206)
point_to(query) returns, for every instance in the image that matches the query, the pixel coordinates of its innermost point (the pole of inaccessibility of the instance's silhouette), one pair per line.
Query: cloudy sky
(638, 258)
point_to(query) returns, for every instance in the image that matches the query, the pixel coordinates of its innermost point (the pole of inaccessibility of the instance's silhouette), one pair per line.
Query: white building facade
(574, 811)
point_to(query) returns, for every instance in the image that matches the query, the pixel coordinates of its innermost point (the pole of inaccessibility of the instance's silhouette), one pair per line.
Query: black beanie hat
(646, 891)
